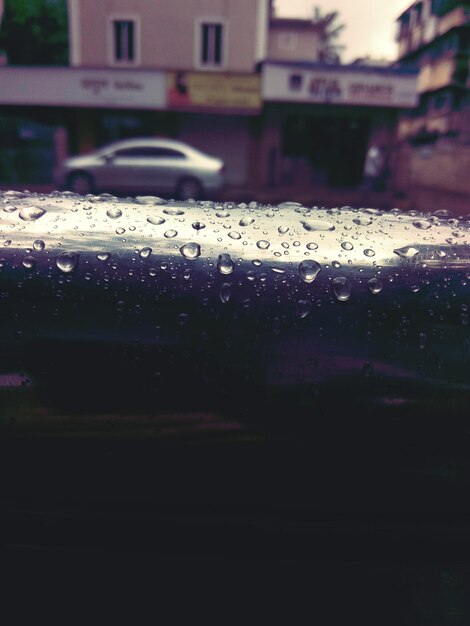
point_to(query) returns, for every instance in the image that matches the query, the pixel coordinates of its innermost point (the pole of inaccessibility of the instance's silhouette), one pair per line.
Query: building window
(123, 48)
(418, 10)
(211, 48)
(295, 82)
(124, 41)
(403, 26)
(287, 42)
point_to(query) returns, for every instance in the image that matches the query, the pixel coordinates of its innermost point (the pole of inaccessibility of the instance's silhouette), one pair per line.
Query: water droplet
(369, 252)
(304, 308)
(316, 225)
(225, 292)
(145, 253)
(151, 200)
(362, 221)
(156, 220)
(198, 225)
(175, 211)
(67, 261)
(346, 245)
(29, 262)
(31, 213)
(120, 305)
(312, 246)
(342, 288)
(234, 235)
(182, 319)
(225, 265)
(7, 242)
(367, 369)
(422, 224)
(114, 213)
(375, 285)
(39, 245)
(9, 208)
(120, 231)
(441, 254)
(336, 264)
(169, 234)
(223, 214)
(191, 250)
(282, 230)
(422, 340)
(103, 256)
(415, 288)
(263, 244)
(309, 270)
(11, 193)
(257, 262)
(246, 221)
(289, 205)
(407, 252)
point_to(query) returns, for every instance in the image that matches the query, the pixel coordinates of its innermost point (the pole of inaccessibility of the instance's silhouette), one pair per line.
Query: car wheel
(189, 189)
(80, 182)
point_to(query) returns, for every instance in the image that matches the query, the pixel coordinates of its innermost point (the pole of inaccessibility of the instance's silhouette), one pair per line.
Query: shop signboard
(205, 90)
(339, 85)
(82, 87)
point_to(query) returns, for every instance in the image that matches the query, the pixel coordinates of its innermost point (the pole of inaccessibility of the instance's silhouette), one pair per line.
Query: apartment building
(433, 36)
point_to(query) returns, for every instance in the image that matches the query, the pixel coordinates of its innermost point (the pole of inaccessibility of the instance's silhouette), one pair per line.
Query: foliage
(35, 32)
(330, 52)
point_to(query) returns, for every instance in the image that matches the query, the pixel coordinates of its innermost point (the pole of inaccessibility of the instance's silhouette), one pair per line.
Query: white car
(136, 166)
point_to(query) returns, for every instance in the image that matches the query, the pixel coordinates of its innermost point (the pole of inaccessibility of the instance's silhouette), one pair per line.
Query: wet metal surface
(297, 374)
(281, 297)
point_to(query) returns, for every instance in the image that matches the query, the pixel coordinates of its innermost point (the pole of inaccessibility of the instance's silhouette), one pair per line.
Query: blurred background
(272, 88)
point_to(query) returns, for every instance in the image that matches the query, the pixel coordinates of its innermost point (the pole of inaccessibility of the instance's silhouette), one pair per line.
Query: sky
(369, 24)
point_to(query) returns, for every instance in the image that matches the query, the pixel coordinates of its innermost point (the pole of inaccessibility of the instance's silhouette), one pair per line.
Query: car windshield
(243, 338)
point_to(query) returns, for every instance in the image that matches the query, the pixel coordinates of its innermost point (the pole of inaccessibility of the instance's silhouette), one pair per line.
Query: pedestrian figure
(373, 172)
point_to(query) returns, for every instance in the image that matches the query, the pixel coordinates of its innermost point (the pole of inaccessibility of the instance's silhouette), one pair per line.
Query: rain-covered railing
(133, 302)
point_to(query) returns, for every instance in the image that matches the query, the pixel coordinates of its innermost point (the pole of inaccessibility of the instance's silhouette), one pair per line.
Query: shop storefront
(217, 113)
(319, 120)
(75, 110)
(48, 113)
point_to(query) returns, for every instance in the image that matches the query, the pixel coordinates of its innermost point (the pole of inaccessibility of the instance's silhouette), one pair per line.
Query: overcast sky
(369, 24)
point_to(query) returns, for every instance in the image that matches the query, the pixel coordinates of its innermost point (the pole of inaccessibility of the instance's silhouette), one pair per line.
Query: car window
(149, 152)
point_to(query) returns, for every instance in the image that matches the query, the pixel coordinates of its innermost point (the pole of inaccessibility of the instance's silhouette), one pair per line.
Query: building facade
(138, 68)
(211, 89)
(226, 76)
(434, 37)
(320, 118)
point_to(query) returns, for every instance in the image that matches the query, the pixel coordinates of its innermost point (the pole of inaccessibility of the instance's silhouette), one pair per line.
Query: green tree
(330, 50)
(35, 32)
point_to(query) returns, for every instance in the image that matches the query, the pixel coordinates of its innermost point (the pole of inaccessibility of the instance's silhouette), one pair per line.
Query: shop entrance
(27, 154)
(334, 146)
